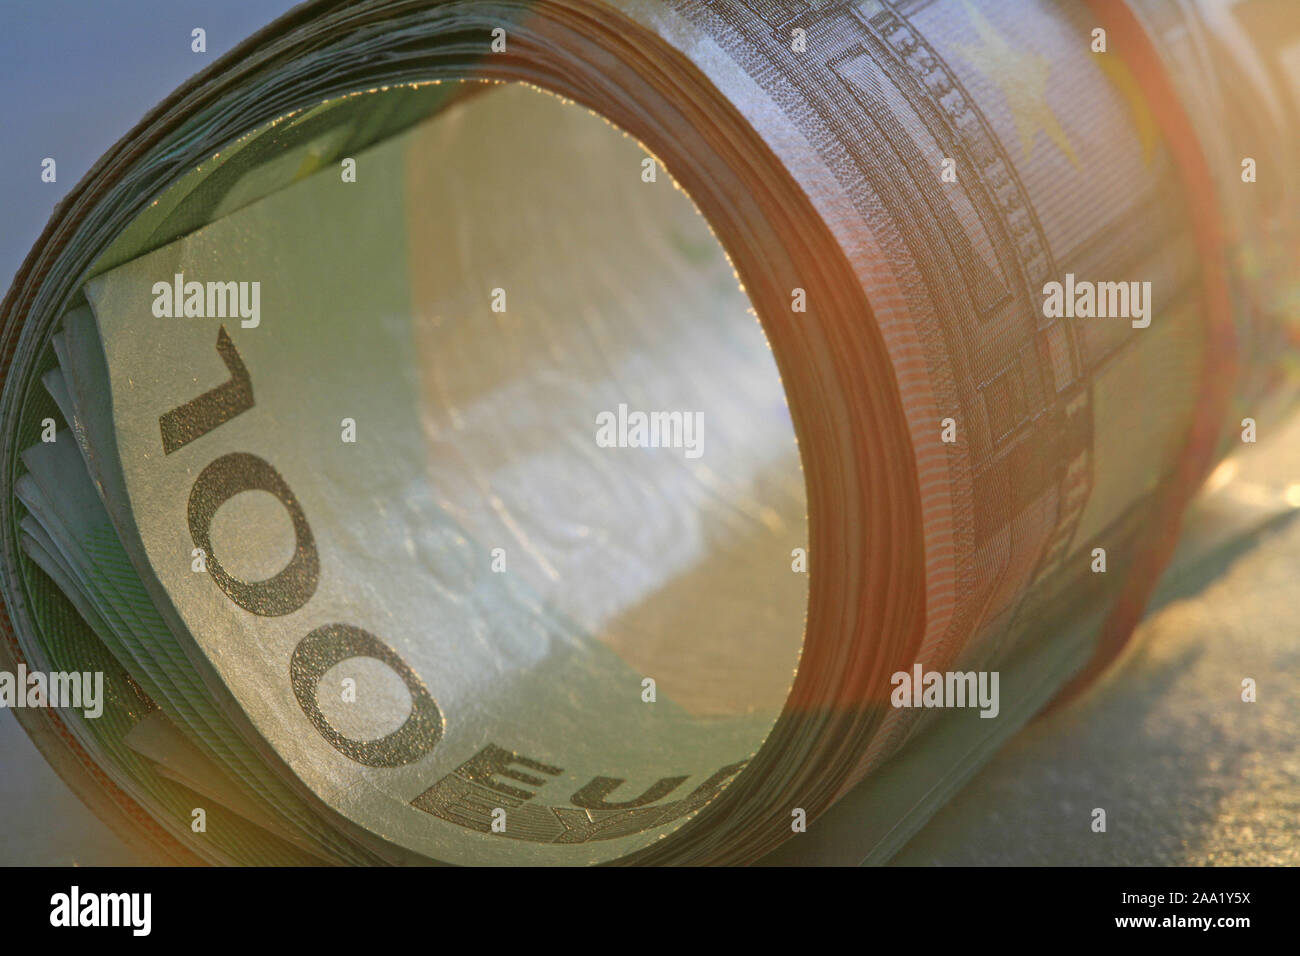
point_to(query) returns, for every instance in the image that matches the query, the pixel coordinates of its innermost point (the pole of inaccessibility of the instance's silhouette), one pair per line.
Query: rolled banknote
(587, 431)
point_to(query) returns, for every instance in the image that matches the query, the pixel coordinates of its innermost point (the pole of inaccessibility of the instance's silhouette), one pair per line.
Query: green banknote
(557, 432)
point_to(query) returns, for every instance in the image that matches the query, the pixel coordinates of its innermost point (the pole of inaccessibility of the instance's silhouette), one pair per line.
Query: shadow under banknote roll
(577, 432)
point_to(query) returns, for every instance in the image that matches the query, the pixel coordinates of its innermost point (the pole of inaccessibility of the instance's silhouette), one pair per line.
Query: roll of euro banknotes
(589, 431)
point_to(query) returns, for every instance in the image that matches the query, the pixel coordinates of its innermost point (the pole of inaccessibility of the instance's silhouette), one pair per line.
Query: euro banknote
(587, 432)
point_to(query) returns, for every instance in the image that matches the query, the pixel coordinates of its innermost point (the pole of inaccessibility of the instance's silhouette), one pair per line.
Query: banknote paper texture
(543, 431)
